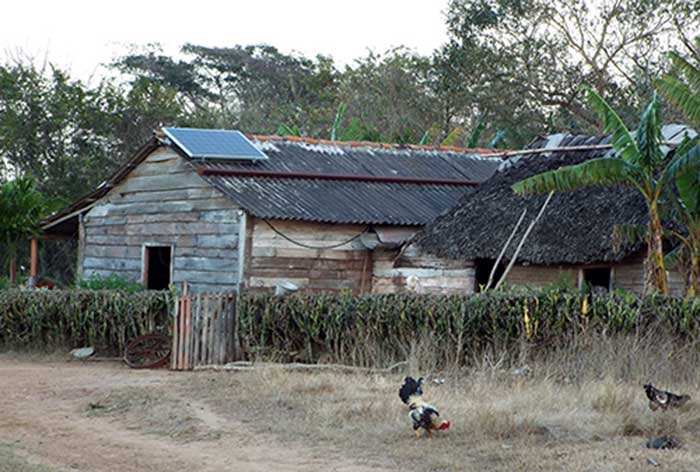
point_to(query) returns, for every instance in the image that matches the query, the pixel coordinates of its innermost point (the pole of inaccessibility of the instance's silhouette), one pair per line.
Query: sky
(81, 35)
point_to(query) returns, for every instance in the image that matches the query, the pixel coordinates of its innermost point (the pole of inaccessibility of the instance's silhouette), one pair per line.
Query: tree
(682, 88)
(523, 61)
(687, 212)
(682, 85)
(639, 162)
(55, 130)
(253, 88)
(21, 208)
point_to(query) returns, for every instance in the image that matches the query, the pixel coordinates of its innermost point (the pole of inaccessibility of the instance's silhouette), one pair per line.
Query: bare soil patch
(106, 417)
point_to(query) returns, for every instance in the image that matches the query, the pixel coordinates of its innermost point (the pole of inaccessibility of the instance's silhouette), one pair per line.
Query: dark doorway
(482, 272)
(597, 277)
(157, 267)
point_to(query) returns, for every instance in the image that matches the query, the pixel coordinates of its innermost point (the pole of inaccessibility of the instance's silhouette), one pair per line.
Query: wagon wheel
(148, 351)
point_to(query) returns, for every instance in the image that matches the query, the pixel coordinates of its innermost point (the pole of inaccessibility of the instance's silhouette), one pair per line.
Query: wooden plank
(174, 206)
(212, 331)
(306, 263)
(302, 253)
(156, 196)
(226, 339)
(188, 334)
(224, 240)
(207, 277)
(224, 329)
(205, 263)
(195, 330)
(167, 228)
(205, 329)
(175, 333)
(160, 181)
(181, 332)
(167, 239)
(105, 263)
(220, 330)
(113, 251)
(217, 253)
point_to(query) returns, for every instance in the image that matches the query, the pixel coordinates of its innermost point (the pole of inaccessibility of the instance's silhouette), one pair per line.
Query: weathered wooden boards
(204, 330)
(317, 268)
(164, 201)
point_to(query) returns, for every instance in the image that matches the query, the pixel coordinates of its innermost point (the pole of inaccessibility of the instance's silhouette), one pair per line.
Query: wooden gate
(204, 330)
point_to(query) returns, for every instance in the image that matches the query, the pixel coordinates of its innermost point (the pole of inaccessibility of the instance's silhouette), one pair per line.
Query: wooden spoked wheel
(148, 351)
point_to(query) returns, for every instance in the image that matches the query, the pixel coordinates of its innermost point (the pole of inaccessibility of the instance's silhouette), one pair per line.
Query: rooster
(422, 414)
(663, 399)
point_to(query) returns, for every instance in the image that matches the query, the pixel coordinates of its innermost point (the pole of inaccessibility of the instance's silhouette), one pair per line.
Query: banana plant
(682, 86)
(639, 162)
(338, 119)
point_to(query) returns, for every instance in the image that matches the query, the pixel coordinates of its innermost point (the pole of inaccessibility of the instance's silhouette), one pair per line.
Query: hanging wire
(308, 246)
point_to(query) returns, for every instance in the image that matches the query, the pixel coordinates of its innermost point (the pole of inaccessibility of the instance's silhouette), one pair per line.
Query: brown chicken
(663, 399)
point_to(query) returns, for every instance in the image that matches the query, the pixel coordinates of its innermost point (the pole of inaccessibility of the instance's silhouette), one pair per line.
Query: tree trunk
(693, 288)
(656, 270)
(13, 271)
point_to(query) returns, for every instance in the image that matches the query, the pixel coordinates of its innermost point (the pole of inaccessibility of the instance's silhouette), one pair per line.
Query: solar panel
(214, 143)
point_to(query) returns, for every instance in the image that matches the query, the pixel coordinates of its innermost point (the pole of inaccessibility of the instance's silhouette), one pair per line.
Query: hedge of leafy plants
(105, 319)
(359, 330)
(379, 329)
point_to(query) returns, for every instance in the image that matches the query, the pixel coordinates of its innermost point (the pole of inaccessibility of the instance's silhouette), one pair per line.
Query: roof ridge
(372, 144)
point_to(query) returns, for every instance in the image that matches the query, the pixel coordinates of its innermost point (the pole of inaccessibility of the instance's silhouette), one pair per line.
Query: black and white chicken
(663, 399)
(422, 414)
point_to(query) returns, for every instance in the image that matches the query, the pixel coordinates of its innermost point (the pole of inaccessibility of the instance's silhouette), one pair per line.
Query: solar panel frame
(214, 144)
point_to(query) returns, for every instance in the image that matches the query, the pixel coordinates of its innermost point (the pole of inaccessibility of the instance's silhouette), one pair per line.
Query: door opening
(157, 267)
(483, 271)
(597, 277)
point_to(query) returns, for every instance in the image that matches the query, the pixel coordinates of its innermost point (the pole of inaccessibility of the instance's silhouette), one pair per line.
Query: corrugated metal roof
(338, 201)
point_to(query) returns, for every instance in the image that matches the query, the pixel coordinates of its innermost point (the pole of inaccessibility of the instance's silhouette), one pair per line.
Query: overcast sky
(80, 35)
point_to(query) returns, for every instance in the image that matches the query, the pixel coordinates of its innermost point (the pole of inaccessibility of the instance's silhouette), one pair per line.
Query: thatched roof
(576, 228)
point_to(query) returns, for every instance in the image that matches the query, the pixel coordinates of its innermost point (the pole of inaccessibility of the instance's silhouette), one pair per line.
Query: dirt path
(43, 414)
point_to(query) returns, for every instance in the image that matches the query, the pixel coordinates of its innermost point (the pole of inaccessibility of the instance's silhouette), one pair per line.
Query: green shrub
(380, 329)
(74, 318)
(110, 282)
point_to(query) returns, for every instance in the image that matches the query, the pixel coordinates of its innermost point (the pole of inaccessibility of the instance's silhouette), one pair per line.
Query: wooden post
(522, 241)
(33, 263)
(503, 251)
(176, 331)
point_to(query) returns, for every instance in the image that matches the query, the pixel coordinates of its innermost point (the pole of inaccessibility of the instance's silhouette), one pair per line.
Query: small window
(483, 271)
(156, 270)
(597, 277)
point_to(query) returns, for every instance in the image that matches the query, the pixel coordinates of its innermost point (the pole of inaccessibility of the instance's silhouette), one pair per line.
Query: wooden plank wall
(272, 258)
(420, 272)
(541, 276)
(630, 274)
(164, 201)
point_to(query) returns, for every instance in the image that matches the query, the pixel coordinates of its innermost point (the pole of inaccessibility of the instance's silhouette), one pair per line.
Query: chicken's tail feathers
(410, 388)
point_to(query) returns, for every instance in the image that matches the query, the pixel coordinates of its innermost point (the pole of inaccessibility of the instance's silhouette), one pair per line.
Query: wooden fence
(204, 330)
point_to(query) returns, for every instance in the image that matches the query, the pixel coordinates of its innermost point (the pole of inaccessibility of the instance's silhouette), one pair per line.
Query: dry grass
(574, 412)
(10, 461)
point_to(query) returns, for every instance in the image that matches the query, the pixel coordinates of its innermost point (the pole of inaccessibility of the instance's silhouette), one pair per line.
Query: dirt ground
(58, 416)
(51, 418)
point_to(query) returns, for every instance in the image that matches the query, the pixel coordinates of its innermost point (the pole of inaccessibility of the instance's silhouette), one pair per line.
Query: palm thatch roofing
(576, 227)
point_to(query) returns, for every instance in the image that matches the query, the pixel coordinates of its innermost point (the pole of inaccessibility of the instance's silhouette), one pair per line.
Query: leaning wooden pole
(522, 241)
(503, 251)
